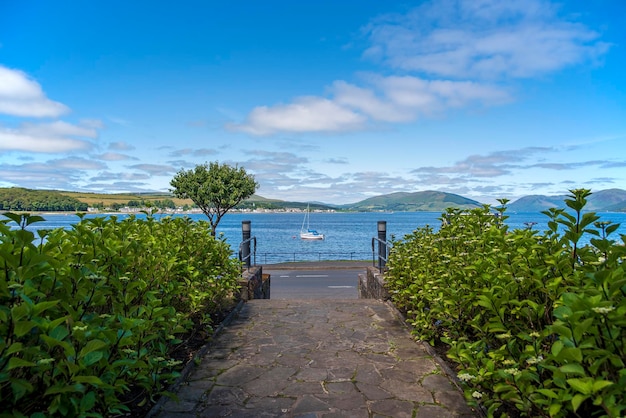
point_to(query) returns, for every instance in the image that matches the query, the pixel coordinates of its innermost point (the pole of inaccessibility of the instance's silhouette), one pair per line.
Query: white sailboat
(308, 233)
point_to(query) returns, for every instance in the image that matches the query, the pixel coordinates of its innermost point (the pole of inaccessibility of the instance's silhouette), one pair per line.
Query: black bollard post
(382, 244)
(245, 251)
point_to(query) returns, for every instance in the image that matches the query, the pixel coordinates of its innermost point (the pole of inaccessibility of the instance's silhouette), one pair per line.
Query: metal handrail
(298, 256)
(383, 253)
(246, 259)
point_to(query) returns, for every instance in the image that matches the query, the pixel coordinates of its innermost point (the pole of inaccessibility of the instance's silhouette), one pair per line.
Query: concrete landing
(317, 358)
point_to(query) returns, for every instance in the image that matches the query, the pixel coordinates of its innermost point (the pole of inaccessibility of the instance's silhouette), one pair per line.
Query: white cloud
(126, 176)
(494, 164)
(199, 152)
(154, 169)
(36, 178)
(114, 156)
(503, 163)
(305, 114)
(92, 123)
(58, 129)
(61, 174)
(76, 163)
(447, 54)
(17, 141)
(383, 99)
(488, 38)
(119, 121)
(121, 146)
(54, 137)
(403, 98)
(367, 101)
(22, 96)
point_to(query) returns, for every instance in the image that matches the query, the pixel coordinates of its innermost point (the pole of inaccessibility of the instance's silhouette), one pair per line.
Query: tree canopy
(215, 188)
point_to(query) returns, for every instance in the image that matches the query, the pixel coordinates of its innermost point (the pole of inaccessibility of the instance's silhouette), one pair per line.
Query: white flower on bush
(477, 395)
(534, 360)
(512, 371)
(603, 309)
(466, 377)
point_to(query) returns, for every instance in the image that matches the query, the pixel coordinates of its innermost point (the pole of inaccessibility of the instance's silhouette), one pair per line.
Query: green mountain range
(412, 202)
(610, 200)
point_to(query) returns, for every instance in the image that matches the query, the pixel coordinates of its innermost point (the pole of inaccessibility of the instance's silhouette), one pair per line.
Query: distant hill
(536, 203)
(109, 199)
(260, 202)
(602, 200)
(413, 202)
(19, 199)
(619, 207)
(609, 200)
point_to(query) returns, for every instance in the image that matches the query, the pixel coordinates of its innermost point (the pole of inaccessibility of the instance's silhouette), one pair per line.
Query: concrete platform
(317, 358)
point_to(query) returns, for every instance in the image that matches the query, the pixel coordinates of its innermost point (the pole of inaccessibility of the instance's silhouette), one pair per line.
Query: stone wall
(254, 284)
(372, 285)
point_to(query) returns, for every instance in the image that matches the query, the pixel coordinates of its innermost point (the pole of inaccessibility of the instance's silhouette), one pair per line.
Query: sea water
(348, 235)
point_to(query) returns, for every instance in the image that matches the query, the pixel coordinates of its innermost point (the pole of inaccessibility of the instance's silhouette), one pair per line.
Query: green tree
(215, 188)
(167, 204)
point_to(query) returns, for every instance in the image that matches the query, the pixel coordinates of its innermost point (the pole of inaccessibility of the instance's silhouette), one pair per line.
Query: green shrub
(90, 313)
(535, 322)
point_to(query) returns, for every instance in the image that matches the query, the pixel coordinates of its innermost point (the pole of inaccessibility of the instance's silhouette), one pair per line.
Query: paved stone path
(317, 358)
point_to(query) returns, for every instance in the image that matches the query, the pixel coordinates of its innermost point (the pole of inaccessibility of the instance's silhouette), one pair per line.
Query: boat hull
(311, 236)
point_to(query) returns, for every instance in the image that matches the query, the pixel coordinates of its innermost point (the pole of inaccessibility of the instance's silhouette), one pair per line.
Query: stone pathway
(317, 358)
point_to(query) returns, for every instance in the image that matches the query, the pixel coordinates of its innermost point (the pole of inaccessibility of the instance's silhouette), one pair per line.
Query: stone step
(317, 358)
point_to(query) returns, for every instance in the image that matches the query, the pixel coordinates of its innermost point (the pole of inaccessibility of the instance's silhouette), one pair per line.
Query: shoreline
(193, 212)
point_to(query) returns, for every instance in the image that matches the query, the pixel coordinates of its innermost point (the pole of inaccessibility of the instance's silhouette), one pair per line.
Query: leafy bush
(91, 313)
(535, 322)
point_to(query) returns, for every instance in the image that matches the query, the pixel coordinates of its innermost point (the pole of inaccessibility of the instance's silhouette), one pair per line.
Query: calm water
(348, 235)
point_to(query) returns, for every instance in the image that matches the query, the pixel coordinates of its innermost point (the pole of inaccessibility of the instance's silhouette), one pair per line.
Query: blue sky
(331, 101)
